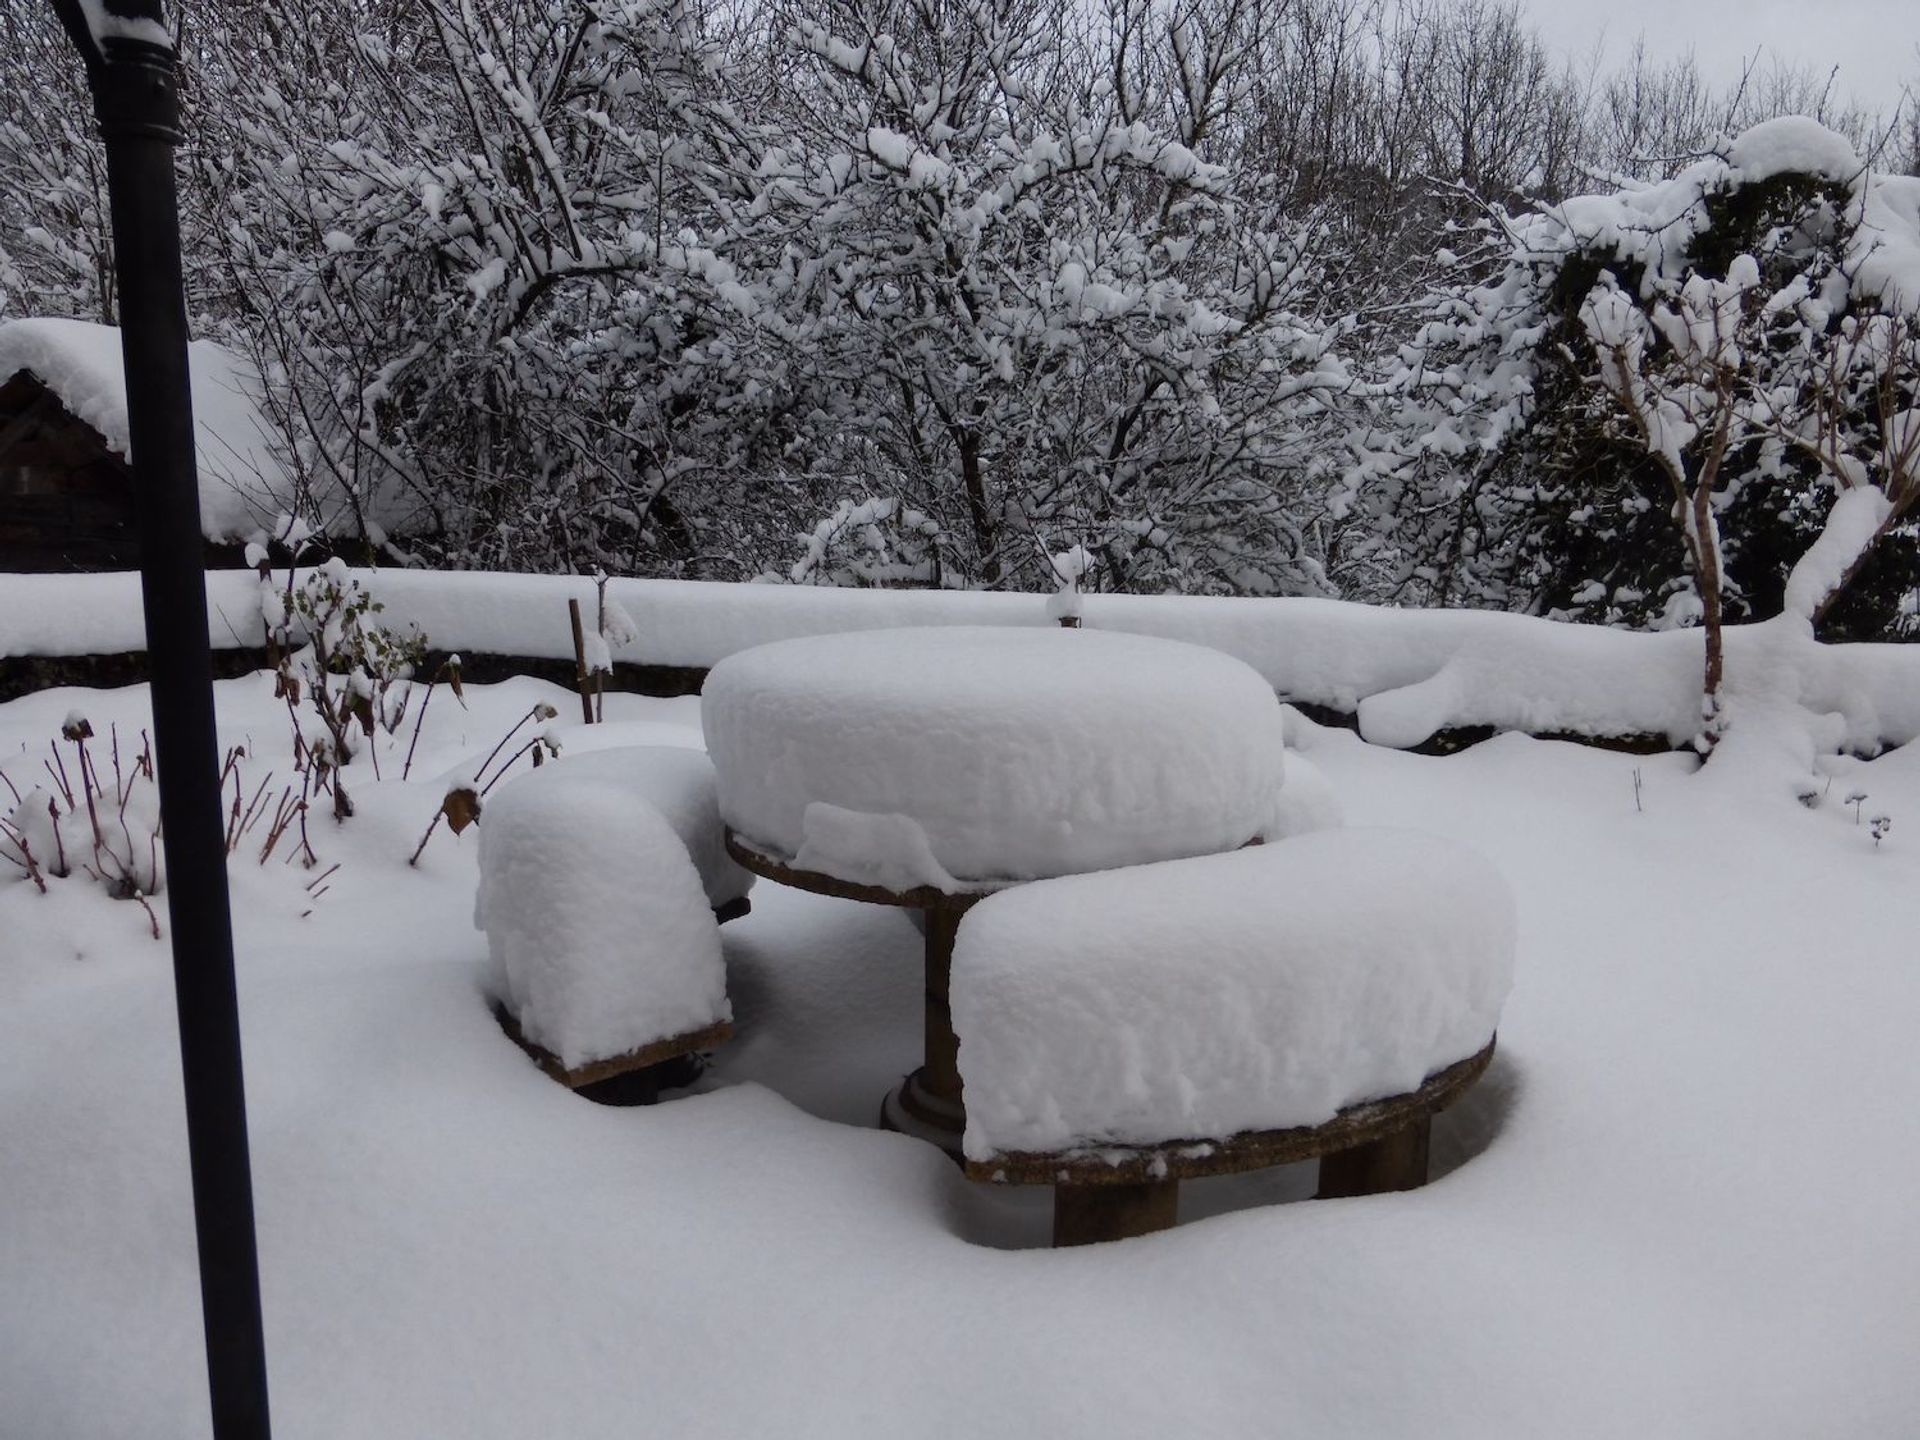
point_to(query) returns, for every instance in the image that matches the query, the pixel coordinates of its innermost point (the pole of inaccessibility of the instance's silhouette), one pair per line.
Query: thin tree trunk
(978, 514)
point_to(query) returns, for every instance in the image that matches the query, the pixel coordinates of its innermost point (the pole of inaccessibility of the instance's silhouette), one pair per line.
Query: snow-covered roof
(243, 484)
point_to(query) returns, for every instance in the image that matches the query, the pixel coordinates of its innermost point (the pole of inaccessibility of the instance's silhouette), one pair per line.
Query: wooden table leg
(928, 1103)
(1088, 1214)
(941, 1073)
(1399, 1162)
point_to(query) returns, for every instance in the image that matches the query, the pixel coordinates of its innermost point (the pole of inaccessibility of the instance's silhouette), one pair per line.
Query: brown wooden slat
(922, 897)
(597, 1070)
(1362, 1124)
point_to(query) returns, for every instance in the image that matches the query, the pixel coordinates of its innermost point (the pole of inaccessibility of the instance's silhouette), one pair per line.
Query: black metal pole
(137, 100)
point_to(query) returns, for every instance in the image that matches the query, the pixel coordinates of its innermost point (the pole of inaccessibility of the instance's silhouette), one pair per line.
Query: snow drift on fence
(1406, 673)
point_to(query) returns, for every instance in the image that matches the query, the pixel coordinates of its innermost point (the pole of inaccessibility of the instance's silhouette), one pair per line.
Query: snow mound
(1793, 144)
(993, 754)
(675, 781)
(1197, 998)
(599, 929)
(1655, 226)
(1306, 803)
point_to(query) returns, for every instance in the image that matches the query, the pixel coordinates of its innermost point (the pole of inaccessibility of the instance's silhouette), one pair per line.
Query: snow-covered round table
(927, 768)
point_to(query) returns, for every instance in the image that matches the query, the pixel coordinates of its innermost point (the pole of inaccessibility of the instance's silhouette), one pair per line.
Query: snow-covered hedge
(1406, 673)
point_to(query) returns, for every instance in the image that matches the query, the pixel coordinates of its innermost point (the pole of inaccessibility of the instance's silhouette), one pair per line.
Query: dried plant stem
(243, 822)
(283, 813)
(153, 920)
(26, 861)
(503, 744)
(57, 770)
(420, 849)
(419, 719)
(499, 775)
(60, 866)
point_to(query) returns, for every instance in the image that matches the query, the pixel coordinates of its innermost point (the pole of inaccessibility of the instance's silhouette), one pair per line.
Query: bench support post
(1398, 1162)
(1088, 1214)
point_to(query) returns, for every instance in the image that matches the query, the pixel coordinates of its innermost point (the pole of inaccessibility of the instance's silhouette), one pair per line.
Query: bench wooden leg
(643, 1086)
(1399, 1162)
(1088, 1214)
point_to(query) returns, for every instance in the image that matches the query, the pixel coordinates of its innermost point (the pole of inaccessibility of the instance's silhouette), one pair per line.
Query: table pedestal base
(928, 1104)
(914, 1110)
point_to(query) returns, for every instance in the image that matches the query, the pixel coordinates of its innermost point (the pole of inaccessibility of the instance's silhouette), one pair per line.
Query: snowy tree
(1042, 307)
(55, 254)
(1543, 430)
(470, 245)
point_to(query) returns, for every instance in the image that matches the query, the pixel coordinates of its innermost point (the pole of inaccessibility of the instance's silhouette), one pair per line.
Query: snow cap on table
(1194, 999)
(989, 754)
(599, 930)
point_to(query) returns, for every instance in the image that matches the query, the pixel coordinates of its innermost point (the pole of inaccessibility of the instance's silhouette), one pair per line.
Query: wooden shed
(66, 490)
(66, 500)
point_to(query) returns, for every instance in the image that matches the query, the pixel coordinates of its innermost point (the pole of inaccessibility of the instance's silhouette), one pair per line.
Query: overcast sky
(1872, 41)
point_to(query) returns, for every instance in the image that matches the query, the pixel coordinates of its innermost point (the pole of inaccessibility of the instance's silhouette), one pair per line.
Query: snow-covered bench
(1321, 996)
(603, 879)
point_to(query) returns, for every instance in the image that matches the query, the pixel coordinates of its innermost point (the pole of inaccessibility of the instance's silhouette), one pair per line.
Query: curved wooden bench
(637, 1077)
(1113, 1192)
(650, 797)
(1104, 1019)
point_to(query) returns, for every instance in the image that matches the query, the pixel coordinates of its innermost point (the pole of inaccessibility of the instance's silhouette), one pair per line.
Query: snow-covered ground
(1679, 1205)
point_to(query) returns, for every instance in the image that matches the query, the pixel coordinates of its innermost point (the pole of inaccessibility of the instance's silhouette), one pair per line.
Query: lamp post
(130, 66)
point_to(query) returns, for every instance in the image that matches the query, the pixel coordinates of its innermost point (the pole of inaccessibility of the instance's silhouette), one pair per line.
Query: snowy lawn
(1680, 1203)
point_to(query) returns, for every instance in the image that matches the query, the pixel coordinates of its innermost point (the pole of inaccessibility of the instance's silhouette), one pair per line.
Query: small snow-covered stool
(1321, 997)
(603, 878)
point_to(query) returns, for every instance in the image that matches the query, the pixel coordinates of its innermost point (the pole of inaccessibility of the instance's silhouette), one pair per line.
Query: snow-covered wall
(1406, 673)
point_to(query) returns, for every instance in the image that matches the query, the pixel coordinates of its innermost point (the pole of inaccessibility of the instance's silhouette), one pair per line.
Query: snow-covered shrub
(341, 672)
